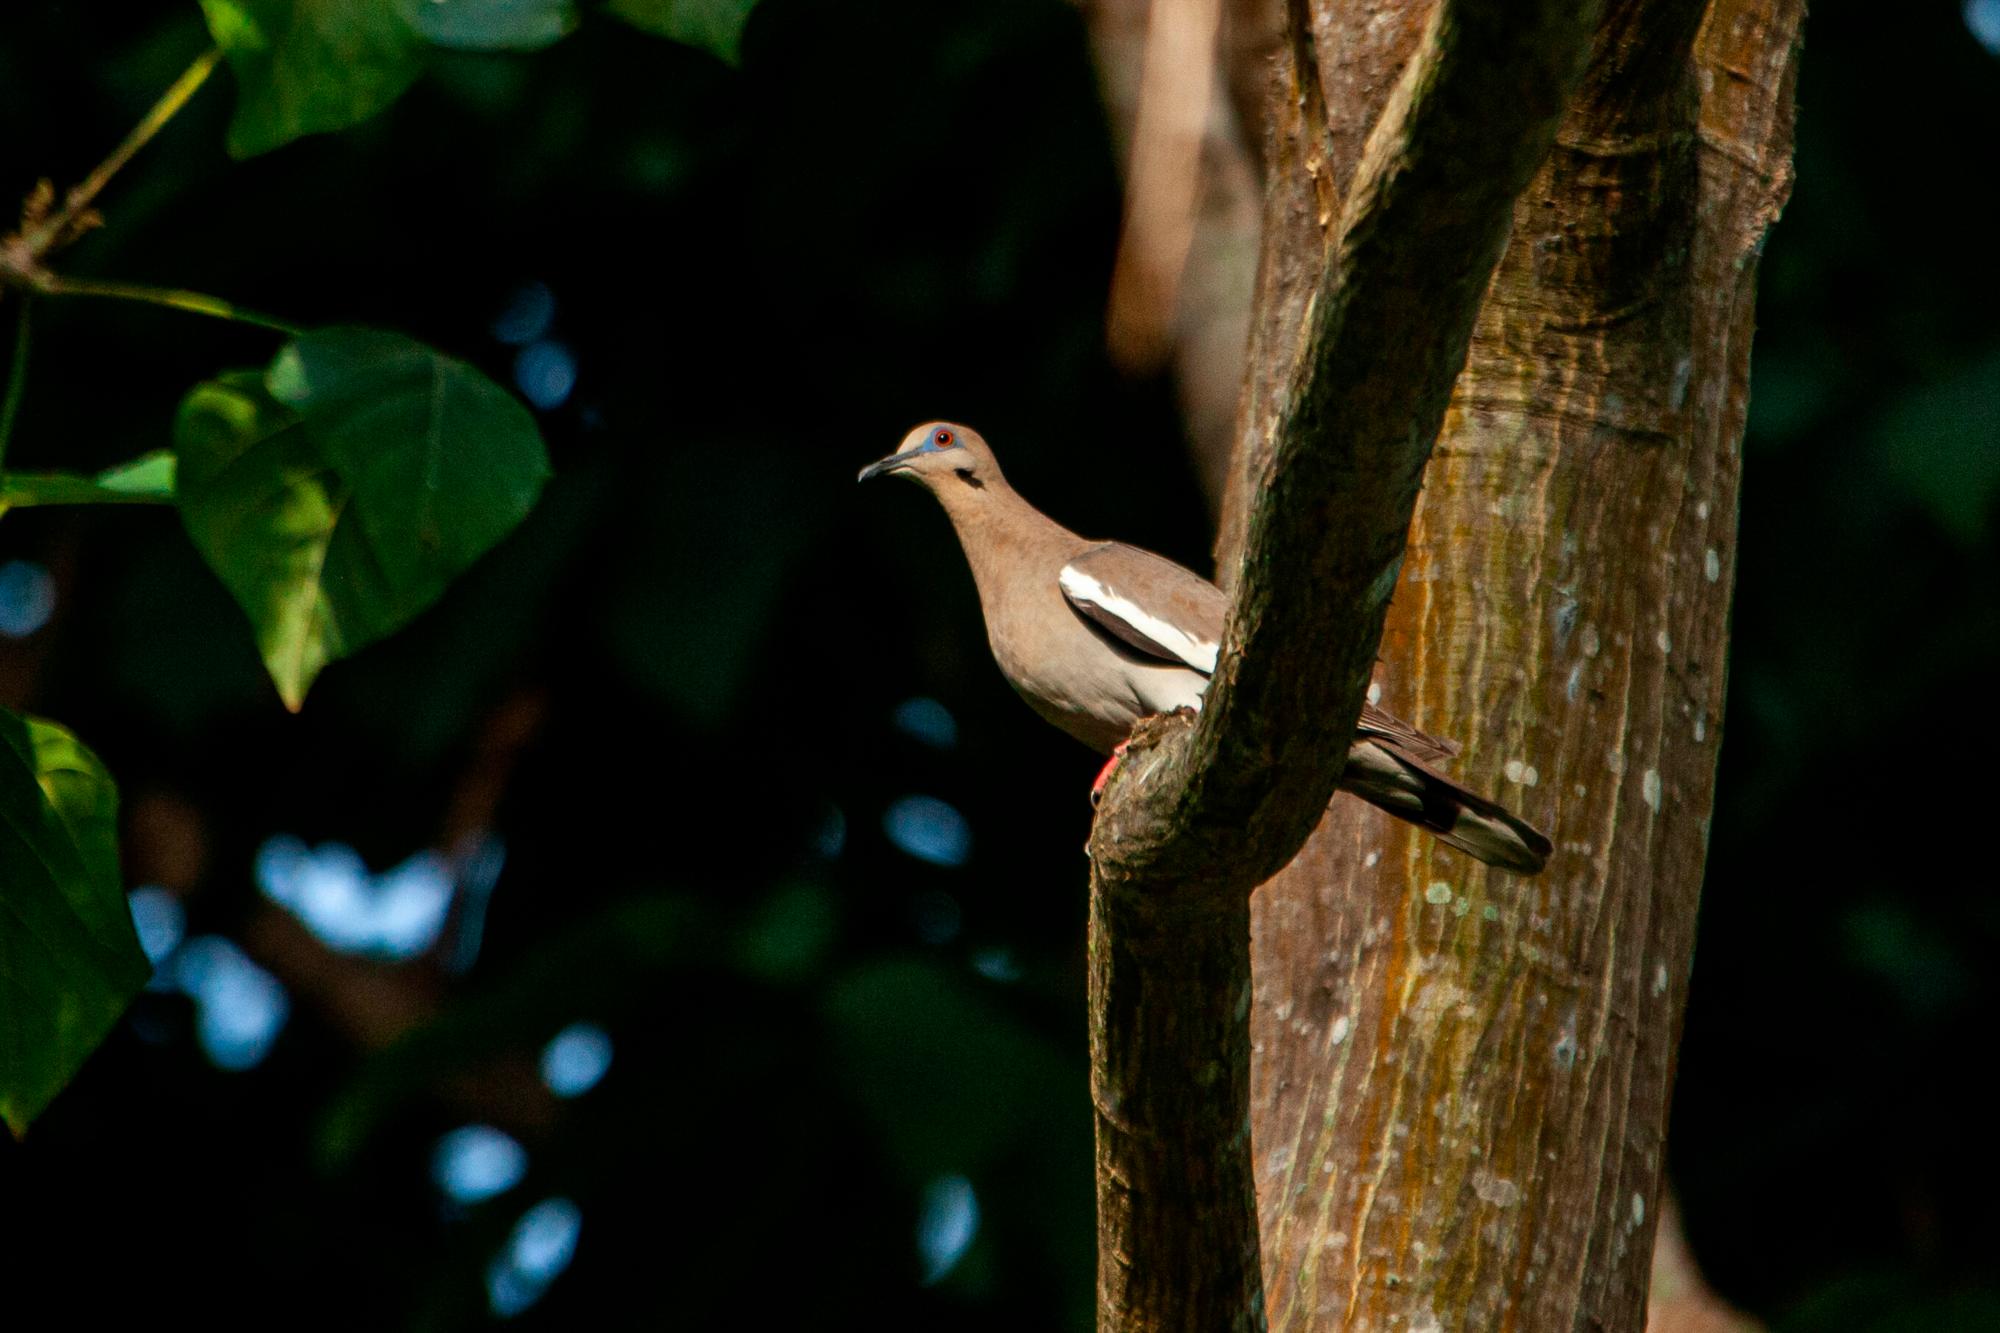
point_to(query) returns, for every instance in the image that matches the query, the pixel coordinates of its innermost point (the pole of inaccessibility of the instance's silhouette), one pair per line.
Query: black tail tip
(1499, 840)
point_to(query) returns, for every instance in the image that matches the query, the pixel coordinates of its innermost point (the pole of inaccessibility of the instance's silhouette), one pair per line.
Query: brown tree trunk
(1460, 1078)
(1204, 809)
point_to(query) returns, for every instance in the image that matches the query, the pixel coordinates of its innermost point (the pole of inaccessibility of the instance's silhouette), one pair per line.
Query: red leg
(1104, 774)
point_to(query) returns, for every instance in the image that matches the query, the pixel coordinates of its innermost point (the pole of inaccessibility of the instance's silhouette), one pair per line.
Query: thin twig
(197, 303)
(17, 378)
(52, 230)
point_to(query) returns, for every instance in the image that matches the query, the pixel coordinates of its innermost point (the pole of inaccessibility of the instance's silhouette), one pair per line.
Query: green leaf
(490, 25)
(69, 958)
(337, 494)
(309, 66)
(148, 479)
(715, 26)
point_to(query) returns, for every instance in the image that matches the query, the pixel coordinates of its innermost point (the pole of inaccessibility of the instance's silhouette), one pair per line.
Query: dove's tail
(1411, 790)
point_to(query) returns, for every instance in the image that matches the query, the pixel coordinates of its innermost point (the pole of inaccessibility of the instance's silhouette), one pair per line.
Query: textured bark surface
(1170, 1078)
(1203, 810)
(1460, 1078)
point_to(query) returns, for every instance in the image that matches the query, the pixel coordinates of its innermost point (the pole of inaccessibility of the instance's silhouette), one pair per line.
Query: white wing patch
(1084, 590)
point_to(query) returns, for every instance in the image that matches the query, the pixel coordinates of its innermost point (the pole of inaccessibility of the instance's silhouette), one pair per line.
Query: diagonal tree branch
(1385, 334)
(1203, 811)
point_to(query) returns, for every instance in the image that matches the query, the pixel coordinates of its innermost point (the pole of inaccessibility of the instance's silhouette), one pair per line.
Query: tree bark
(1459, 1078)
(1202, 811)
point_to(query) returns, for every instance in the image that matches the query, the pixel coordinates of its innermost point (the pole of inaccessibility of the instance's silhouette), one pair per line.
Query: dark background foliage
(678, 698)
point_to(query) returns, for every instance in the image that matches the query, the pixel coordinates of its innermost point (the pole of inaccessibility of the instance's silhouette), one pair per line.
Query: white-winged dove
(1096, 635)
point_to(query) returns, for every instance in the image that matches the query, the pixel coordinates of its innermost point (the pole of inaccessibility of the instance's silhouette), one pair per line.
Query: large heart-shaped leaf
(69, 959)
(338, 493)
(713, 25)
(490, 25)
(308, 66)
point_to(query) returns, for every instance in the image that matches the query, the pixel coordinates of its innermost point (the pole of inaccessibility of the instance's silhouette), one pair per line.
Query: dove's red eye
(941, 439)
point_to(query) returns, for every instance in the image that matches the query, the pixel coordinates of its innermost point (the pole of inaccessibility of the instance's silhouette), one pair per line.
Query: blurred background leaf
(310, 66)
(490, 25)
(715, 26)
(1941, 440)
